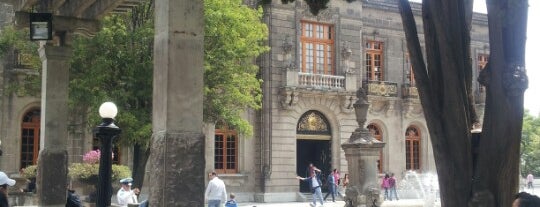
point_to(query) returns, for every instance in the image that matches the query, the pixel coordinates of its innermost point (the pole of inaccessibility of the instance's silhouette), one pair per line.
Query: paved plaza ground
(400, 203)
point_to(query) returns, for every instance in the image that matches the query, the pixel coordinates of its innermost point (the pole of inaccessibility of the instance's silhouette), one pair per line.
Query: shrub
(29, 172)
(88, 173)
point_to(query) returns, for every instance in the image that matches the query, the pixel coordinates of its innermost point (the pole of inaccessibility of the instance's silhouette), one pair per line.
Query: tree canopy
(530, 145)
(116, 65)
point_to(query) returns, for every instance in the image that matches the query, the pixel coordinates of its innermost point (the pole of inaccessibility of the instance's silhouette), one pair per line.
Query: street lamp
(40, 26)
(106, 132)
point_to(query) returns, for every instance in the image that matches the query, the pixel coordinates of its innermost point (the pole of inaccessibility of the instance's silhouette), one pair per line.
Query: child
(231, 202)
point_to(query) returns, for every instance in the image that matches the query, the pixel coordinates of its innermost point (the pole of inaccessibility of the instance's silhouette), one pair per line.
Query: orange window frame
(410, 75)
(374, 60)
(412, 148)
(377, 134)
(30, 132)
(317, 48)
(226, 151)
(482, 60)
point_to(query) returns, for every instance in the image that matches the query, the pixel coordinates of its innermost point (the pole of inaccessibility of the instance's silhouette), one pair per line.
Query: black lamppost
(106, 132)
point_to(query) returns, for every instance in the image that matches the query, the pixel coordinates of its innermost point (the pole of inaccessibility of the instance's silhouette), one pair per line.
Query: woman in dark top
(5, 181)
(3, 196)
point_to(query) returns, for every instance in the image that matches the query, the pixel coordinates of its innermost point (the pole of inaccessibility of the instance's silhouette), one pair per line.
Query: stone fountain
(362, 152)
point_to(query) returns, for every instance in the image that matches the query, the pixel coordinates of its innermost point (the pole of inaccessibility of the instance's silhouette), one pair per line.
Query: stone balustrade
(321, 81)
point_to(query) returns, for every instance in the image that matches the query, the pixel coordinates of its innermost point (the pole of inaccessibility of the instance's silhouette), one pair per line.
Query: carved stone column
(52, 170)
(362, 152)
(176, 163)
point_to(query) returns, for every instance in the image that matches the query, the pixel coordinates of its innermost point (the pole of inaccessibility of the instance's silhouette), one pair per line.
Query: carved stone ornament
(288, 98)
(391, 109)
(347, 103)
(326, 15)
(312, 122)
(515, 80)
(287, 46)
(412, 110)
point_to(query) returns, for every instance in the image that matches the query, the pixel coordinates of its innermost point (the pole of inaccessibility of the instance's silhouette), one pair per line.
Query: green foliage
(530, 145)
(116, 65)
(14, 44)
(29, 172)
(234, 37)
(88, 173)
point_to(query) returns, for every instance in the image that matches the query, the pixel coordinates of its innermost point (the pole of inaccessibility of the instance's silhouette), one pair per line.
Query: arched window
(30, 129)
(377, 133)
(412, 148)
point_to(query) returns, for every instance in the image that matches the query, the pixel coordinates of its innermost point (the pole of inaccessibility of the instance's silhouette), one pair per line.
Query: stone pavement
(400, 203)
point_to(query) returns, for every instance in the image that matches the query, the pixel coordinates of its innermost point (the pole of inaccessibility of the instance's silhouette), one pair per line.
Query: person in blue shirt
(331, 183)
(315, 187)
(231, 202)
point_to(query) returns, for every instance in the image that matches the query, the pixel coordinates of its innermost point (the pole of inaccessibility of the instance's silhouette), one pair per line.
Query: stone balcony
(381, 88)
(313, 81)
(296, 84)
(409, 92)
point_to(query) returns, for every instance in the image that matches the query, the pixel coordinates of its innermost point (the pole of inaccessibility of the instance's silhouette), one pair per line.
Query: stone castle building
(311, 75)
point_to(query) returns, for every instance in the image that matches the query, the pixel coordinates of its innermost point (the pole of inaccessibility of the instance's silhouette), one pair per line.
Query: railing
(381, 88)
(409, 91)
(321, 81)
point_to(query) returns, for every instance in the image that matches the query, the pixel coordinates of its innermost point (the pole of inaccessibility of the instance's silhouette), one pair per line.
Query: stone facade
(268, 174)
(281, 147)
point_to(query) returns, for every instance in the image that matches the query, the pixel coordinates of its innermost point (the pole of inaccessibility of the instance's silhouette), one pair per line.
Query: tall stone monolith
(176, 163)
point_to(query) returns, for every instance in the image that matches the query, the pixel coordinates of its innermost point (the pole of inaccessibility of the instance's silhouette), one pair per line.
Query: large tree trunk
(446, 97)
(506, 81)
(140, 156)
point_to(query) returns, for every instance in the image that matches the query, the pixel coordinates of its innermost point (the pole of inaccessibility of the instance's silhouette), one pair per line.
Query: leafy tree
(116, 65)
(234, 36)
(530, 145)
(19, 52)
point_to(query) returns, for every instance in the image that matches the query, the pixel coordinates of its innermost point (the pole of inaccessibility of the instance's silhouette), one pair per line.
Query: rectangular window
(226, 151)
(481, 63)
(374, 60)
(316, 48)
(409, 69)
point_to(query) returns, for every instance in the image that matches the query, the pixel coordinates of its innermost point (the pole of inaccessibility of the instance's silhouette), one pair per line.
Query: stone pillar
(52, 163)
(362, 152)
(176, 163)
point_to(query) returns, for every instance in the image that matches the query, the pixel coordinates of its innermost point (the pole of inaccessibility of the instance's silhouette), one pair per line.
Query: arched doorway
(376, 132)
(312, 145)
(30, 131)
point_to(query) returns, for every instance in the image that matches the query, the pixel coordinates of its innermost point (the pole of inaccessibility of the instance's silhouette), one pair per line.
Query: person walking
(337, 179)
(215, 192)
(126, 195)
(392, 183)
(331, 183)
(530, 180)
(315, 187)
(345, 183)
(5, 181)
(386, 185)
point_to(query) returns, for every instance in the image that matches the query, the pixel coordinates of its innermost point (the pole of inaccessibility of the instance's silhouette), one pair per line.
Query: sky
(532, 94)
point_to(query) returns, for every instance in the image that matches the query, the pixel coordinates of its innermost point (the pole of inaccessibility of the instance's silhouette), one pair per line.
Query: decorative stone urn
(362, 152)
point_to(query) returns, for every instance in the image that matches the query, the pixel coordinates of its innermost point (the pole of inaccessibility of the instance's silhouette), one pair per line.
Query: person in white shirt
(530, 179)
(215, 193)
(125, 195)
